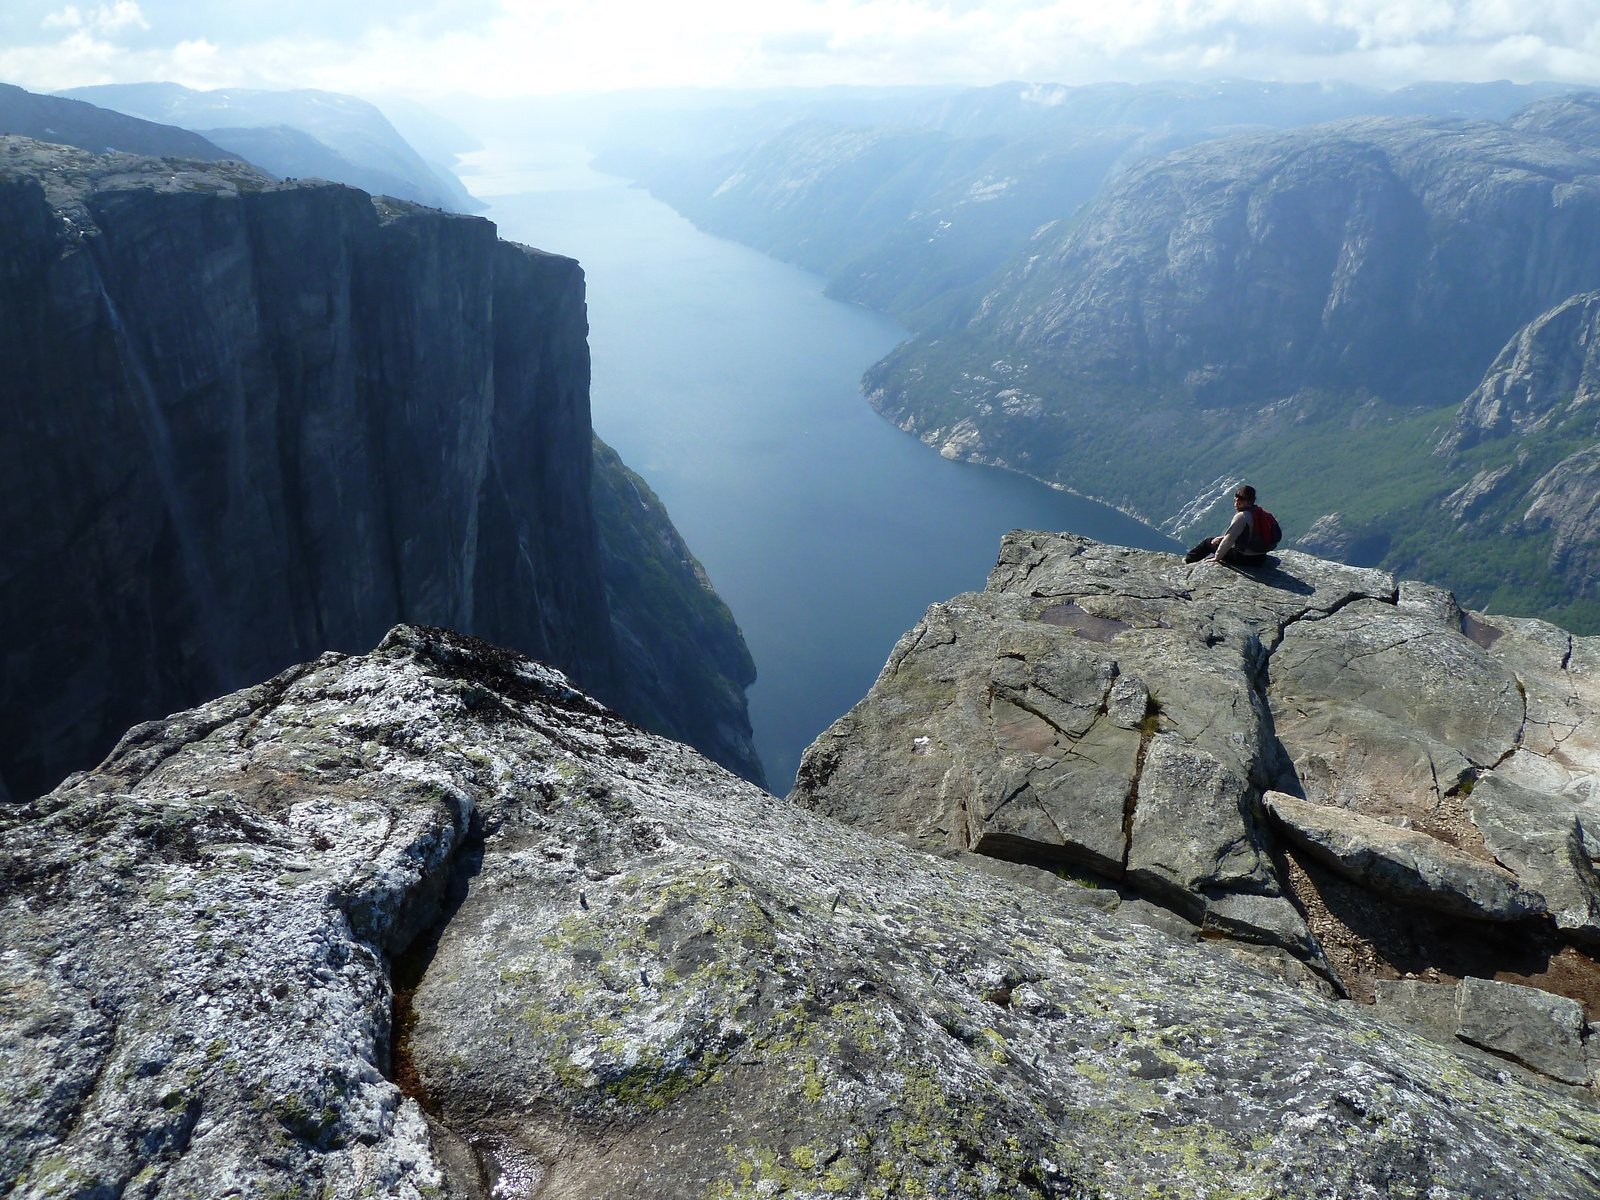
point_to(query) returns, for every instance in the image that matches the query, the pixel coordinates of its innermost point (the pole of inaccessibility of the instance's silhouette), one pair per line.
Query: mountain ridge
(347, 126)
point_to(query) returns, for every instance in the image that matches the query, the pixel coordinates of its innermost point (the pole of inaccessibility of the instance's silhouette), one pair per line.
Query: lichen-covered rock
(644, 977)
(1436, 759)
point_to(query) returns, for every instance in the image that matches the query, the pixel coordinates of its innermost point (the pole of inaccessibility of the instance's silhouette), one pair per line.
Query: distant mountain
(1391, 257)
(906, 220)
(292, 153)
(1117, 291)
(908, 203)
(77, 123)
(351, 128)
(1012, 109)
(1520, 522)
(440, 142)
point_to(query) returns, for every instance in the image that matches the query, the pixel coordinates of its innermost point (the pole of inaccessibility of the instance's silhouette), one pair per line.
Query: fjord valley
(1146, 294)
(733, 385)
(413, 839)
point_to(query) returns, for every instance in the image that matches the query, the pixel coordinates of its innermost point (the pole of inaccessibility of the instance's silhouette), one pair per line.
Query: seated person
(1251, 535)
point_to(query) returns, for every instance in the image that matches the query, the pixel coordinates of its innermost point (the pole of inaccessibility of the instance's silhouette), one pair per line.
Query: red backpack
(1266, 528)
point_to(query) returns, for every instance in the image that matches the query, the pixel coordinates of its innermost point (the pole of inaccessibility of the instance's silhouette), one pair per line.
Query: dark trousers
(1248, 550)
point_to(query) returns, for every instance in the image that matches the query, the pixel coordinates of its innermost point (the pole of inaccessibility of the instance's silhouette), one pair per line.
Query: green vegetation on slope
(660, 598)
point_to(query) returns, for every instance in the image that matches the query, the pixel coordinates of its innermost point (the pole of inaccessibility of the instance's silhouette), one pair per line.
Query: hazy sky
(513, 47)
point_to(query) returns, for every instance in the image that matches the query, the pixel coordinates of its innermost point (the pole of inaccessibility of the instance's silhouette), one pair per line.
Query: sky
(531, 47)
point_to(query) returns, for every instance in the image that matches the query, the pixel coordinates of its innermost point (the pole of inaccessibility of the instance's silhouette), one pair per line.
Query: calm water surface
(732, 385)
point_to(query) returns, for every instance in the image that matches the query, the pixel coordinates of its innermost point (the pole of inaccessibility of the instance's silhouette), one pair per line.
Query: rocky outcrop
(595, 963)
(244, 422)
(1403, 863)
(1117, 712)
(1549, 369)
(1523, 444)
(1523, 1024)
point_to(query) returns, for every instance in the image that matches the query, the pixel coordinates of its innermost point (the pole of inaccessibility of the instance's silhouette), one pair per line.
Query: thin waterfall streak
(158, 438)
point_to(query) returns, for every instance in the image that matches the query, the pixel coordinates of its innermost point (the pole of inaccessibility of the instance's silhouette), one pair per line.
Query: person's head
(1244, 498)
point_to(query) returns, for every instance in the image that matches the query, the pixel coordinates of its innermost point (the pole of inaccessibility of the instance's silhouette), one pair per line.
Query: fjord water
(732, 385)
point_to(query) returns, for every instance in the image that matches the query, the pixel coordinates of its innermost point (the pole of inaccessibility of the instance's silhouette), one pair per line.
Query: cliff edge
(243, 422)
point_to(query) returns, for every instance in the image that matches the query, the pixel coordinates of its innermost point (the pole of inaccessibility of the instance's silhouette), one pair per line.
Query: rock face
(622, 971)
(1402, 863)
(1116, 712)
(1551, 364)
(688, 664)
(1350, 260)
(1336, 256)
(1528, 432)
(243, 422)
(1525, 1024)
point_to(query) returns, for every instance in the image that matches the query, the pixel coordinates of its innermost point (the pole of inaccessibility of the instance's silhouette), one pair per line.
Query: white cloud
(107, 19)
(529, 46)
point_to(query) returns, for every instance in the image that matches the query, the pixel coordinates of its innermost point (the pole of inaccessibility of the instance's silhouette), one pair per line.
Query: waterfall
(158, 440)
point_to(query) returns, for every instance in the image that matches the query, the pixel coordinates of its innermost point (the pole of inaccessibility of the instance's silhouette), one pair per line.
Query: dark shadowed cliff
(690, 663)
(244, 422)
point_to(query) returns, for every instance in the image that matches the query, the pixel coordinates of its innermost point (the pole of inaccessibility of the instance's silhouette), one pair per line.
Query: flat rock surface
(643, 977)
(1534, 1027)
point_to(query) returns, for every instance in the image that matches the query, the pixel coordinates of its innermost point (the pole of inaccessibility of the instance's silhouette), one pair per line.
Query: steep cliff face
(1510, 516)
(1548, 371)
(428, 922)
(688, 665)
(245, 422)
(1390, 254)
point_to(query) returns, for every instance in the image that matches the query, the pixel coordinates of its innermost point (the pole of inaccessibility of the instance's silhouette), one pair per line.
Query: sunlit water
(732, 385)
